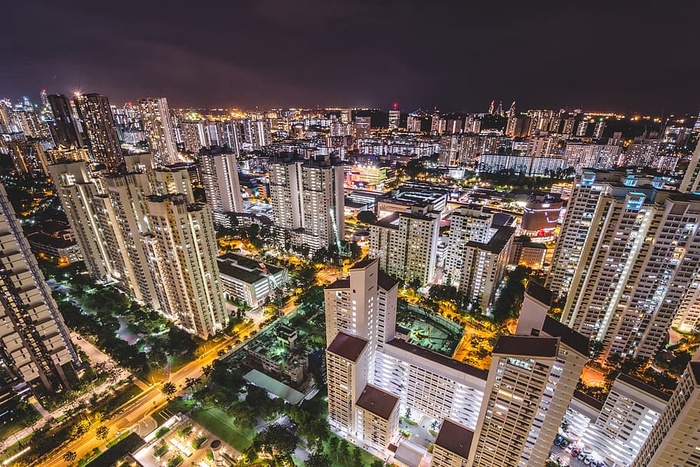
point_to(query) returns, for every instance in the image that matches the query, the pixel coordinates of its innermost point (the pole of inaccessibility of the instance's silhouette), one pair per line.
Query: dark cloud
(456, 55)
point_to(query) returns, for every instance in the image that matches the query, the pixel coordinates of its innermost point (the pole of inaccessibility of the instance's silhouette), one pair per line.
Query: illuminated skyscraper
(97, 119)
(632, 252)
(36, 345)
(394, 118)
(65, 130)
(182, 253)
(158, 127)
(219, 175)
(674, 440)
(308, 200)
(143, 230)
(691, 178)
(405, 244)
(531, 381)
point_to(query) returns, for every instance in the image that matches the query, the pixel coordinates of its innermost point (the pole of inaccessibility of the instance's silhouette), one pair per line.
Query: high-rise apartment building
(308, 200)
(77, 190)
(36, 345)
(477, 254)
(405, 244)
(362, 127)
(98, 122)
(636, 261)
(218, 170)
(577, 222)
(627, 417)
(65, 130)
(531, 382)
(675, 439)
(142, 229)
(158, 126)
(691, 178)
(394, 119)
(374, 376)
(182, 252)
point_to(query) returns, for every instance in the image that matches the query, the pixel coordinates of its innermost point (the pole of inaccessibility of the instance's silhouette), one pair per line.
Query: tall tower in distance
(65, 129)
(308, 200)
(155, 117)
(218, 171)
(36, 345)
(97, 119)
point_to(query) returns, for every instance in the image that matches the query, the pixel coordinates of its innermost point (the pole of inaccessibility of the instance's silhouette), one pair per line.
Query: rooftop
(539, 292)
(455, 438)
(568, 336)
(386, 282)
(439, 358)
(339, 284)
(364, 263)
(695, 369)
(244, 268)
(528, 346)
(642, 386)
(498, 241)
(347, 346)
(378, 402)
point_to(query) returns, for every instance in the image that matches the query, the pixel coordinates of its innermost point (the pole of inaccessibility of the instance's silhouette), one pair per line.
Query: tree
(377, 463)
(344, 449)
(276, 439)
(102, 432)
(169, 389)
(69, 456)
(190, 383)
(318, 460)
(357, 456)
(333, 445)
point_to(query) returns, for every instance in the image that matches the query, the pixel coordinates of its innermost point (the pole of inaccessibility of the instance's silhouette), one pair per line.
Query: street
(135, 413)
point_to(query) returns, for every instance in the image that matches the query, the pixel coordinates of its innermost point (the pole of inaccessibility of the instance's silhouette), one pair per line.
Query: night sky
(456, 55)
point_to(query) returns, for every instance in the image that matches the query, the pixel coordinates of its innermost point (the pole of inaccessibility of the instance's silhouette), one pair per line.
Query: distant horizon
(36, 99)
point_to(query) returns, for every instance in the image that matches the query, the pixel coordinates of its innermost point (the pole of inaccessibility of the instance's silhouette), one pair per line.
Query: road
(117, 375)
(134, 412)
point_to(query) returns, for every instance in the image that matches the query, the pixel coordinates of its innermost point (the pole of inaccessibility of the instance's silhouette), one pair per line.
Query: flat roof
(385, 281)
(273, 386)
(497, 242)
(439, 358)
(339, 284)
(243, 268)
(40, 238)
(364, 263)
(568, 336)
(695, 369)
(455, 438)
(539, 292)
(347, 346)
(644, 387)
(377, 401)
(530, 346)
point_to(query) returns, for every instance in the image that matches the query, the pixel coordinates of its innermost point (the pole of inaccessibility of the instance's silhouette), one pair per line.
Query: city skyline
(308, 54)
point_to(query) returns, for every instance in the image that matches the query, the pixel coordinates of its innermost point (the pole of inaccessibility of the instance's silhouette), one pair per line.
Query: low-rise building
(248, 280)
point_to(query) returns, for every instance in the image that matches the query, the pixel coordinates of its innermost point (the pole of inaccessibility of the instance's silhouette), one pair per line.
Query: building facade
(36, 345)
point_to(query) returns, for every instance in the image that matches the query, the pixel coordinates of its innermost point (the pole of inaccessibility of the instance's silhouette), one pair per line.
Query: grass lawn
(13, 423)
(367, 458)
(221, 425)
